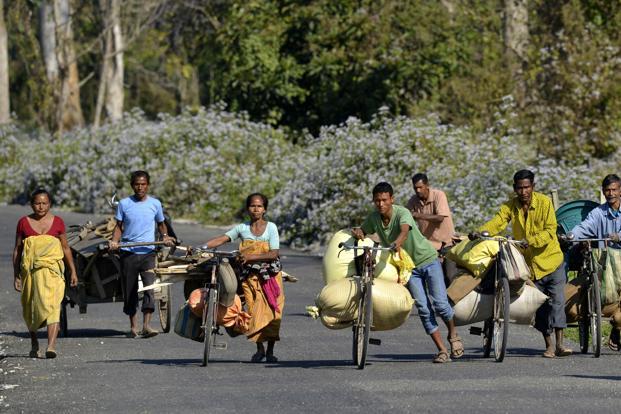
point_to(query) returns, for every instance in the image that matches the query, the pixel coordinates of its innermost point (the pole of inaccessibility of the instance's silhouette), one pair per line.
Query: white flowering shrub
(201, 165)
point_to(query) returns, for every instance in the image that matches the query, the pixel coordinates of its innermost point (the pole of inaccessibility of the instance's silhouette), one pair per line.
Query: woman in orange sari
(261, 275)
(39, 257)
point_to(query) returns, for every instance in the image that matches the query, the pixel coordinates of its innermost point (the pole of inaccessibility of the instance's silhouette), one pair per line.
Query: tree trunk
(69, 110)
(516, 38)
(5, 110)
(47, 38)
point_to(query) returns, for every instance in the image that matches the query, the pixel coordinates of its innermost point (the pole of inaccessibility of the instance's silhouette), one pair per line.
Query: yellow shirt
(543, 254)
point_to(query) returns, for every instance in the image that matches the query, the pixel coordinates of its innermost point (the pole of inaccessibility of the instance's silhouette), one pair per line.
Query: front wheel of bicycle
(209, 323)
(501, 319)
(595, 317)
(363, 324)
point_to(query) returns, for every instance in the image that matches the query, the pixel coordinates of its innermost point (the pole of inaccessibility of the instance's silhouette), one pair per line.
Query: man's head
(611, 187)
(383, 198)
(140, 183)
(523, 185)
(420, 182)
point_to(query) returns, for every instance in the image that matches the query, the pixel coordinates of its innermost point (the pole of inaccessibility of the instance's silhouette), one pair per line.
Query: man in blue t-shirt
(136, 218)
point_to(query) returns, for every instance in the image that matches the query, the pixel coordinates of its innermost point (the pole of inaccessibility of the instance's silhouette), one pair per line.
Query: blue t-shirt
(242, 231)
(139, 218)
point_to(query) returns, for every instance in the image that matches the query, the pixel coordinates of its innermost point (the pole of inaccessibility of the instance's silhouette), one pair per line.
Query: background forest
(310, 101)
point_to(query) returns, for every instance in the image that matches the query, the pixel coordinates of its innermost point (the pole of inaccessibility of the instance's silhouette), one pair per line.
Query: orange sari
(264, 321)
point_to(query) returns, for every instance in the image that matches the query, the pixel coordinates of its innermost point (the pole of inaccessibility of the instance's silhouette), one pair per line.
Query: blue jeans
(426, 285)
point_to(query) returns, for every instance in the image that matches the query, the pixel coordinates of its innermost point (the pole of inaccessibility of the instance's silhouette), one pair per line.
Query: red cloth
(24, 228)
(272, 292)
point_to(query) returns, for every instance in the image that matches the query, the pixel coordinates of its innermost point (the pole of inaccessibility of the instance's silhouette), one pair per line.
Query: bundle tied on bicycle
(338, 300)
(472, 290)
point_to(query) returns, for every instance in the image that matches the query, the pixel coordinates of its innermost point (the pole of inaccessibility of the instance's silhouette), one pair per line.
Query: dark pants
(551, 314)
(133, 265)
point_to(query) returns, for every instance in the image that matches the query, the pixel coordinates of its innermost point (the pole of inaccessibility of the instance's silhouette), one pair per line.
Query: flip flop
(50, 354)
(271, 358)
(34, 353)
(148, 333)
(441, 358)
(457, 347)
(257, 357)
(132, 334)
(549, 354)
(563, 352)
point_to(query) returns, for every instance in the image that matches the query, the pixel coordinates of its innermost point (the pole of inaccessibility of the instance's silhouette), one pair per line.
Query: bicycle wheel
(501, 319)
(595, 316)
(209, 323)
(64, 324)
(363, 324)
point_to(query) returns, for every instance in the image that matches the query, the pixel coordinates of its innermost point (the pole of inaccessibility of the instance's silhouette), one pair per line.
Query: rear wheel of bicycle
(501, 319)
(363, 324)
(595, 317)
(209, 323)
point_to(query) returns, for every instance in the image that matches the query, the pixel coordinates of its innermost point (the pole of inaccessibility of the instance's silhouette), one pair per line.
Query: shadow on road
(602, 377)
(73, 333)
(197, 362)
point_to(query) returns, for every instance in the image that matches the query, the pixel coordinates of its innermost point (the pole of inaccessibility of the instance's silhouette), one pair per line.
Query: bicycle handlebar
(218, 253)
(344, 246)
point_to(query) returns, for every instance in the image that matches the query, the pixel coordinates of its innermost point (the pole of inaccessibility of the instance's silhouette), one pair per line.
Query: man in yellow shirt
(533, 221)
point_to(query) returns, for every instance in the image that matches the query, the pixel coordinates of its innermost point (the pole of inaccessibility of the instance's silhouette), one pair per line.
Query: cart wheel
(209, 324)
(164, 308)
(501, 319)
(363, 324)
(64, 326)
(595, 316)
(488, 332)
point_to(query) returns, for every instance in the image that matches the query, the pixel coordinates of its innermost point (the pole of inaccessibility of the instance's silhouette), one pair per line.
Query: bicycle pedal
(222, 345)
(374, 341)
(476, 330)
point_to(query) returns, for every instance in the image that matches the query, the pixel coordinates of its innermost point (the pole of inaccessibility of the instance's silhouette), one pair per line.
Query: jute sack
(392, 304)
(461, 286)
(338, 304)
(474, 255)
(188, 325)
(608, 264)
(339, 264)
(477, 307)
(573, 299)
(339, 299)
(523, 307)
(514, 264)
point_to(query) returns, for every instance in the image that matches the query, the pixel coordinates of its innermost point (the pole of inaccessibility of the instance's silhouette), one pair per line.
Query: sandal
(563, 352)
(148, 333)
(271, 358)
(257, 357)
(614, 339)
(549, 354)
(50, 354)
(34, 353)
(441, 358)
(457, 347)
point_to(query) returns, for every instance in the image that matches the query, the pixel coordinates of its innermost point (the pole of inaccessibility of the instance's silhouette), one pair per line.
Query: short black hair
(38, 191)
(524, 175)
(420, 177)
(137, 174)
(609, 179)
(253, 195)
(382, 187)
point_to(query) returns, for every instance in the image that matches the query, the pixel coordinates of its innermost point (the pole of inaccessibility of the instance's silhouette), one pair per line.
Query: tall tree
(4, 70)
(111, 94)
(516, 38)
(58, 49)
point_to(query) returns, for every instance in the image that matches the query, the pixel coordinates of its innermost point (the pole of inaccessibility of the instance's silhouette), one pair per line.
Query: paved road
(99, 370)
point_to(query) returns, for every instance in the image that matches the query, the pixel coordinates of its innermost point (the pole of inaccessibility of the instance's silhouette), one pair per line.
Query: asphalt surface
(100, 370)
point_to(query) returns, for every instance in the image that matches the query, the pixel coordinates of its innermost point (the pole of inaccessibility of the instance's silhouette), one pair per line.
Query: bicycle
(590, 320)
(364, 284)
(209, 324)
(496, 329)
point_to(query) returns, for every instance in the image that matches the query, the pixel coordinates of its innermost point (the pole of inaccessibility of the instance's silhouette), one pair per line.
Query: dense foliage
(308, 63)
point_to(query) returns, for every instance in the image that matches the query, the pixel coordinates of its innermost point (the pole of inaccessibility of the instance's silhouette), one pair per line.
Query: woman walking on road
(39, 258)
(261, 275)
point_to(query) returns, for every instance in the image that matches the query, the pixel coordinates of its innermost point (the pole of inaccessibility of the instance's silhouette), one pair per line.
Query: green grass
(572, 333)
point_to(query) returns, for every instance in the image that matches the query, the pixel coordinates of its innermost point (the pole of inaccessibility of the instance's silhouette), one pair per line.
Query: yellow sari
(43, 283)
(264, 321)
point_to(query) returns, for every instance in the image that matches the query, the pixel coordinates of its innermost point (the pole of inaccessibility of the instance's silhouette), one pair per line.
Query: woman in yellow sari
(261, 275)
(39, 257)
